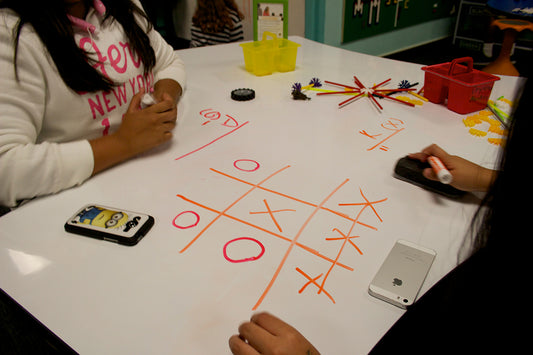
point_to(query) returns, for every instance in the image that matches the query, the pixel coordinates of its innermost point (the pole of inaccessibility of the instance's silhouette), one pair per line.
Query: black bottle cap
(242, 94)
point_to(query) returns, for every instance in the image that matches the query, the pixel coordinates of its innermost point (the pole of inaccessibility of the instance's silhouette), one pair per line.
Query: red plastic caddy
(466, 89)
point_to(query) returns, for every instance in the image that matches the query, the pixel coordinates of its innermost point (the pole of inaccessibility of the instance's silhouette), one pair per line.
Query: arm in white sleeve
(168, 64)
(30, 168)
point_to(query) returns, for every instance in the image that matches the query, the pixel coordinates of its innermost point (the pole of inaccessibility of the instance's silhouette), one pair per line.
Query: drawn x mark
(347, 238)
(313, 281)
(271, 213)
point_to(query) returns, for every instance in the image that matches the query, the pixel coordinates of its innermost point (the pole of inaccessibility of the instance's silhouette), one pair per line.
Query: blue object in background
(521, 8)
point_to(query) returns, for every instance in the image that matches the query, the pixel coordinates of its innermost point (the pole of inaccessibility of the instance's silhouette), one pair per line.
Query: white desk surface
(167, 295)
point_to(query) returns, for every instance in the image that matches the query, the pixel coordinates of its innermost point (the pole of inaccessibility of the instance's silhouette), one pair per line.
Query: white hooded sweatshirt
(44, 125)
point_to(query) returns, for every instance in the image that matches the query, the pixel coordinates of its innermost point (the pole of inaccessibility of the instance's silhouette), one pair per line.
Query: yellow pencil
(419, 96)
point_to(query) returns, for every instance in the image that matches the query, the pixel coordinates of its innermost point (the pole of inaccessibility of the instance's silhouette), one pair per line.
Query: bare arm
(169, 86)
(467, 176)
(141, 130)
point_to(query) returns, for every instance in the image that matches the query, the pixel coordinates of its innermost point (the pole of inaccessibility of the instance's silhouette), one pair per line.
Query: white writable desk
(271, 204)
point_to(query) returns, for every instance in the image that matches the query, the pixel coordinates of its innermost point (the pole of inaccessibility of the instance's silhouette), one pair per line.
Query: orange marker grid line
(224, 214)
(271, 213)
(347, 237)
(294, 241)
(343, 215)
(231, 205)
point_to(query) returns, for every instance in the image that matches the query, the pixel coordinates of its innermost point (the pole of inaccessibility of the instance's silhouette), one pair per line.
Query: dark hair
(212, 16)
(505, 211)
(50, 21)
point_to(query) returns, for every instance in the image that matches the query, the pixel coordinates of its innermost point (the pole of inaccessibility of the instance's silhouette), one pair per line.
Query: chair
(511, 27)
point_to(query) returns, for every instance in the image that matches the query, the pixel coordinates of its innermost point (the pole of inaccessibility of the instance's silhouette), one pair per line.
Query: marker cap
(438, 167)
(147, 100)
(445, 176)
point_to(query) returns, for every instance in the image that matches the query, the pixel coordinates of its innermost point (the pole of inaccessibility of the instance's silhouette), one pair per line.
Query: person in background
(480, 306)
(216, 22)
(72, 74)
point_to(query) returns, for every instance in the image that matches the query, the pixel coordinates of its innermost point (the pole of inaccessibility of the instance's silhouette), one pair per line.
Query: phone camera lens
(405, 300)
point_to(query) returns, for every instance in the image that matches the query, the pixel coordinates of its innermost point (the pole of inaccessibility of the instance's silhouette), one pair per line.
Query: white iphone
(402, 274)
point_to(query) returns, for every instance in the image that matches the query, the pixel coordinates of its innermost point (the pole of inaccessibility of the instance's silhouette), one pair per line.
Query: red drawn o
(235, 164)
(252, 258)
(211, 115)
(194, 224)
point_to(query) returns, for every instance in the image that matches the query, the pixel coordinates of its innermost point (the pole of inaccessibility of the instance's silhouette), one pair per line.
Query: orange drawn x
(313, 281)
(365, 204)
(320, 280)
(271, 213)
(347, 238)
(373, 136)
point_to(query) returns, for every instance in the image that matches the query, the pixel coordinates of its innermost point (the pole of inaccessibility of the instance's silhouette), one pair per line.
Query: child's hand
(266, 334)
(143, 129)
(140, 131)
(169, 88)
(467, 176)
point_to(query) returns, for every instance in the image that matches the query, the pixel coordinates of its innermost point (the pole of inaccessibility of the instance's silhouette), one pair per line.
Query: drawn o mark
(193, 224)
(255, 165)
(210, 115)
(252, 258)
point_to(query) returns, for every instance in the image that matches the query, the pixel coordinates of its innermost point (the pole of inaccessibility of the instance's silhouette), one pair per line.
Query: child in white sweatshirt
(72, 76)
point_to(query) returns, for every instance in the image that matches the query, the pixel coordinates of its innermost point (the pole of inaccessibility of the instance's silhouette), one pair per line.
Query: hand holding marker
(440, 170)
(467, 176)
(147, 100)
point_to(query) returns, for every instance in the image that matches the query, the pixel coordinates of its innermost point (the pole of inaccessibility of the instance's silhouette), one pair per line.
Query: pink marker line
(213, 141)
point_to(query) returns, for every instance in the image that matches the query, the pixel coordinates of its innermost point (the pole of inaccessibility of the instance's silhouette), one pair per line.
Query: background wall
(184, 11)
(325, 24)
(323, 21)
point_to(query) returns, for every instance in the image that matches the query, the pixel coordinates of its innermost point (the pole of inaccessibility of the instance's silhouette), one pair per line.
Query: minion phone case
(111, 224)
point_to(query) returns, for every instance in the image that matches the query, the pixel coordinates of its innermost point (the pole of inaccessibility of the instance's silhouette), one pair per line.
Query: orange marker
(438, 167)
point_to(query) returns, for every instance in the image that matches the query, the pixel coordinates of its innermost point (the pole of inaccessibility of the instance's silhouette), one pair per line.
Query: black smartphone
(410, 170)
(111, 224)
